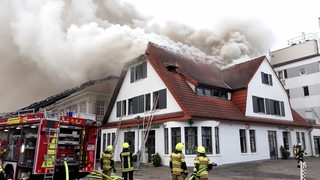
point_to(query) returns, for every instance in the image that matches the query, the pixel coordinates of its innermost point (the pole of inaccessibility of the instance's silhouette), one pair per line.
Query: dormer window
(138, 72)
(211, 92)
(266, 78)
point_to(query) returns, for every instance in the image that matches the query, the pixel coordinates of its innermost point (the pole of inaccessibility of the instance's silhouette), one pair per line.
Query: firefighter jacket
(107, 161)
(201, 165)
(178, 163)
(126, 160)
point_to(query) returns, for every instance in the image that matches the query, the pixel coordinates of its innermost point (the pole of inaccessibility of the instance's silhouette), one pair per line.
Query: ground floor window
(191, 140)
(216, 138)
(166, 141)
(243, 141)
(252, 134)
(207, 139)
(176, 137)
(303, 140)
(129, 138)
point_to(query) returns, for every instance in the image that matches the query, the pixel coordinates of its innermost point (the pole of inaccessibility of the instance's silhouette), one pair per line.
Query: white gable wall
(275, 92)
(143, 86)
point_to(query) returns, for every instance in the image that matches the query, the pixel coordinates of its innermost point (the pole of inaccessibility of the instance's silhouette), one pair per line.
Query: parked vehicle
(36, 144)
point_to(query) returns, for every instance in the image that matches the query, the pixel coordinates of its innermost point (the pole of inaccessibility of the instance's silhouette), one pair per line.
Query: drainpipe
(310, 138)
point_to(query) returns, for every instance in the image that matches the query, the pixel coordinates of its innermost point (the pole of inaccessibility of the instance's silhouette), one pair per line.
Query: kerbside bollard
(303, 170)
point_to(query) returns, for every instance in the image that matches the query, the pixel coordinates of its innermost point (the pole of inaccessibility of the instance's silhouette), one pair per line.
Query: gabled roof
(176, 71)
(239, 75)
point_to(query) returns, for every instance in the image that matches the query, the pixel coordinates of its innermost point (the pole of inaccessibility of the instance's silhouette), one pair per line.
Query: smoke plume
(48, 46)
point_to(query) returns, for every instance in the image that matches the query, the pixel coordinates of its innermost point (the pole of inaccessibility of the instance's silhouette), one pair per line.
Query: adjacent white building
(298, 68)
(239, 113)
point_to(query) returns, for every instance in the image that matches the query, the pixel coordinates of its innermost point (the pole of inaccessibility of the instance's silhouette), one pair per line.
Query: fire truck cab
(36, 145)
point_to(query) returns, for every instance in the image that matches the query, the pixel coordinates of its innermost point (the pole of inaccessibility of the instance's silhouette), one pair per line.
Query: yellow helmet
(125, 145)
(109, 148)
(201, 149)
(179, 147)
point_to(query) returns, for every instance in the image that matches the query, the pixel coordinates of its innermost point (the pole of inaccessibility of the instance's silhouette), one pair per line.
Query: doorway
(151, 145)
(317, 144)
(273, 147)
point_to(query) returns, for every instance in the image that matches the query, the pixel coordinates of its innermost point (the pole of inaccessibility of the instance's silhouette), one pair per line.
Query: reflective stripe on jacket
(178, 163)
(126, 161)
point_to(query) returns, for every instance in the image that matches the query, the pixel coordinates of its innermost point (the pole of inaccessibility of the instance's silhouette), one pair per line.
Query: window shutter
(268, 106)
(118, 108)
(282, 109)
(131, 74)
(141, 104)
(144, 69)
(163, 99)
(255, 104)
(270, 79)
(135, 105)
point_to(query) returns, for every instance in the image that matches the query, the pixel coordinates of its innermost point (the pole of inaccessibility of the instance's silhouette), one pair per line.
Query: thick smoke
(48, 46)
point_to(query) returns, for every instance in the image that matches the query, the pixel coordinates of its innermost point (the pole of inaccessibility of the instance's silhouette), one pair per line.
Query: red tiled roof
(238, 76)
(175, 70)
(202, 107)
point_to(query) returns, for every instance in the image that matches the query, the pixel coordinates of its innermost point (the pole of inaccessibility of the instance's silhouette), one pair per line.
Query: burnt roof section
(52, 99)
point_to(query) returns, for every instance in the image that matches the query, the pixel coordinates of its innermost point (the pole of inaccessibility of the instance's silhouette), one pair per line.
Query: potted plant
(156, 160)
(284, 152)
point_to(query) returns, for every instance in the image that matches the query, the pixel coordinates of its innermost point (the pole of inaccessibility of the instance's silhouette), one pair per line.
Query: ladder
(117, 134)
(146, 132)
(50, 157)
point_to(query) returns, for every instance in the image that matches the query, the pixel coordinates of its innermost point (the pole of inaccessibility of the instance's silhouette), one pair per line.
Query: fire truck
(39, 145)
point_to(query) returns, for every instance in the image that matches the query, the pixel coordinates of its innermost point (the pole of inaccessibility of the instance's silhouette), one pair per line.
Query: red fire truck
(37, 145)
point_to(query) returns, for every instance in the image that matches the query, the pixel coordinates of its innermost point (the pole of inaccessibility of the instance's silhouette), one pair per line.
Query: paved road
(258, 170)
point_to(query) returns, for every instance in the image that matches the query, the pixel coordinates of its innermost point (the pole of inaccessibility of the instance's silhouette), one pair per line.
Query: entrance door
(317, 144)
(273, 147)
(151, 144)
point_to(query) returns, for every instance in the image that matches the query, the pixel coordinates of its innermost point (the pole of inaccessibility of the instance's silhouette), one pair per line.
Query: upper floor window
(100, 108)
(83, 107)
(283, 74)
(160, 99)
(138, 72)
(266, 78)
(121, 108)
(268, 106)
(211, 92)
(306, 91)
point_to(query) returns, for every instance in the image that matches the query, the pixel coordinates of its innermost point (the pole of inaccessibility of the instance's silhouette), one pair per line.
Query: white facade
(224, 136)
(275, 91)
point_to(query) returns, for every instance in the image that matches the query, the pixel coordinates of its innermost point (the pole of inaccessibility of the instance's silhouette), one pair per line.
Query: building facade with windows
(238, 113)
(298, 68)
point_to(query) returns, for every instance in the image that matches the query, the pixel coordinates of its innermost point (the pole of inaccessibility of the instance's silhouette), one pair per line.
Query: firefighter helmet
(201, 149)
(179, 147)
(109, 148)
(125, 145)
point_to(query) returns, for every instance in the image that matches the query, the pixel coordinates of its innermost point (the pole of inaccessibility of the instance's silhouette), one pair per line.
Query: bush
(134, 158)
(285, 153)
(156, 160)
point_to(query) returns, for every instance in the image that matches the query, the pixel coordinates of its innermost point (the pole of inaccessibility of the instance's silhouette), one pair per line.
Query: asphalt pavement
(257, 170)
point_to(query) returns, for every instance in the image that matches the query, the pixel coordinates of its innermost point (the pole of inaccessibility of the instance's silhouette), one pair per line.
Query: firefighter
(178, 165)
(107, 162)
(202, 165)
(126, 162)
(299, 154)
